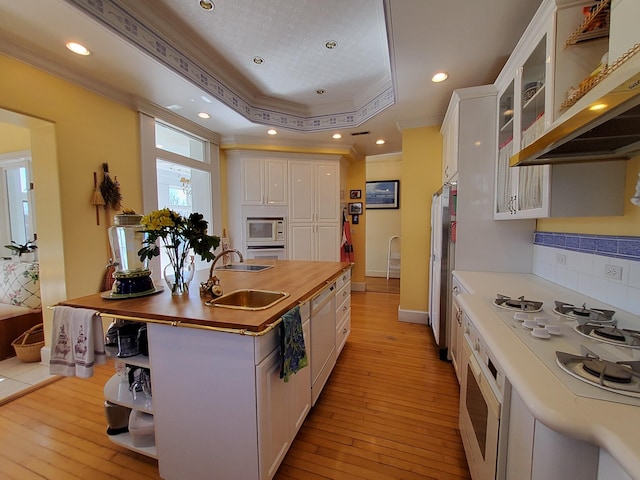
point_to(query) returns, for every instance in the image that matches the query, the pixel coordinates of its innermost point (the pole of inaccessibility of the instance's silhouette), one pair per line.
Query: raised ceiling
(179, 56)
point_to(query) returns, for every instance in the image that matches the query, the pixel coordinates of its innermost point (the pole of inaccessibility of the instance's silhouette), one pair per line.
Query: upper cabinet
(450, 132)
(523, 102)
(561, 52)
(264, 181)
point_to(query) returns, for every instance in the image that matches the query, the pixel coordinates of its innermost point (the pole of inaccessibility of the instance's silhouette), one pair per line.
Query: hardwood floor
(382, 285)
(389, 411)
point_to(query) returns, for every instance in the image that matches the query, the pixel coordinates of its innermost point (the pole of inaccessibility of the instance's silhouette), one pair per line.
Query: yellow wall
(356, 177)
(421, 177)
(13, 138)
(88, 130)
(627, 224)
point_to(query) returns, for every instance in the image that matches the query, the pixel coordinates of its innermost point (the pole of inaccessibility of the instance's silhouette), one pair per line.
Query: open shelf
(594, 26)
(124, 440)
(117, 391)
(136, 360)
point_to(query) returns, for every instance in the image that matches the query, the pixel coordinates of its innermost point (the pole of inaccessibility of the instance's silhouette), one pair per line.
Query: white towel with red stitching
(77, 342)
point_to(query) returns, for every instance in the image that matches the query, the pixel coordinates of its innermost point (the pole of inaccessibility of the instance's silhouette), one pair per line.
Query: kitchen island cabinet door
(275, 417)
(204, 394)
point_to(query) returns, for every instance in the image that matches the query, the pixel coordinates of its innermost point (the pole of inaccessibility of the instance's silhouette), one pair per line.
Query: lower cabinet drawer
(343, 330)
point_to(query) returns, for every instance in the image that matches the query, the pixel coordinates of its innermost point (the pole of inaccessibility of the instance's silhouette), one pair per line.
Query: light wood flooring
(382, 285)
(389, 411)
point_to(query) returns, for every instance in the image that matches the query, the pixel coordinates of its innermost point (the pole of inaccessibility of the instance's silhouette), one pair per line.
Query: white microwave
(262, 232)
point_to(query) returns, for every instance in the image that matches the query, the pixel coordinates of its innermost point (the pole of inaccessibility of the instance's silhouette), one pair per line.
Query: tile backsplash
(606, 268)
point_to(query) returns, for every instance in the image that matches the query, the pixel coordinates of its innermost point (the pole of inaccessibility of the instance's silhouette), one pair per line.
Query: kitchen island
(221, 410)
(552, 425)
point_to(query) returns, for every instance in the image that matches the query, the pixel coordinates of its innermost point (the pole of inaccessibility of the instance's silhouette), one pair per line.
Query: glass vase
(178, 278)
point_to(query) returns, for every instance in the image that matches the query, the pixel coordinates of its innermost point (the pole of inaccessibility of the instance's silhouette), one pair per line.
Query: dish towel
(77, 342)
(292, 352)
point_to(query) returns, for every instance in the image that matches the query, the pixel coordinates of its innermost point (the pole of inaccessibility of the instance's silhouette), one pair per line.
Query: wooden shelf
(137, 360)
(587, 30)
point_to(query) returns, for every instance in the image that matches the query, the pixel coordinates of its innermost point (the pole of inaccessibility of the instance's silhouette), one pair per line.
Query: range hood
(610, 133)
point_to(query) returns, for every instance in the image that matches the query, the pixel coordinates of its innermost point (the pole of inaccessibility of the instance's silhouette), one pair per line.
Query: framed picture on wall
(355, 193)
(383, 194)
(355, 208)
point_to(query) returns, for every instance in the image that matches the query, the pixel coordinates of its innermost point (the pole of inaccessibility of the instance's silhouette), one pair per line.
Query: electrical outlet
(613, 271)
(561, 259)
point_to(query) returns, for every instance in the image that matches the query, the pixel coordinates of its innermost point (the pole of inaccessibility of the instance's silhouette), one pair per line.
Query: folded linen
(77, 342)
(293, 354)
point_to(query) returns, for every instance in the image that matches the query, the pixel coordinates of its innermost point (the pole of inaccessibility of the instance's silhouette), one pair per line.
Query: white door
(252, 181)
(275, 178)
(327, 192)
(301, 183)
(328, 242)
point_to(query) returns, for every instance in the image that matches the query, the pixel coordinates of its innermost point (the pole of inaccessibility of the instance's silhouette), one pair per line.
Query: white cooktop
(568, 341)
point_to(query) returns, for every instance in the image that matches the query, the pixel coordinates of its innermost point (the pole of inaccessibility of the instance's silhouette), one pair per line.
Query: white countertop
(610, 425)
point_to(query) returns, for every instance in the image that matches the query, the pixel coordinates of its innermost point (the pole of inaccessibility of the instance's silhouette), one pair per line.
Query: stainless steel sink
(244, 267)
(248, 299)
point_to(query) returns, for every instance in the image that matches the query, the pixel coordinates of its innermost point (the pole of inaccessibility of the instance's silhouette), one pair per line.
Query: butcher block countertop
(300, 279)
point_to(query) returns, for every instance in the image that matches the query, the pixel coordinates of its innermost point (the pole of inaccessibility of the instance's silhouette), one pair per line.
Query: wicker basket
(28, 345)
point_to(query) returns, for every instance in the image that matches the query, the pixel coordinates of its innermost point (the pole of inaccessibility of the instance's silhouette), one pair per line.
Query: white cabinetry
(323, 339)
(455, 348)
(281, 406)
(530, 87)
(524, 99)
(264, 181)
(536, 452)
(450, 131)
(314, 210)
(116, 390)
(343, 310)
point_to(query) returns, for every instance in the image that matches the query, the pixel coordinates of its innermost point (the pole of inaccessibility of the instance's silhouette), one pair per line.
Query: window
(180, 172)
(16, 199)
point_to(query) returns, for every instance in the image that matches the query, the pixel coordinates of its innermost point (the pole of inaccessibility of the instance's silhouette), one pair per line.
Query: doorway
(383, 225)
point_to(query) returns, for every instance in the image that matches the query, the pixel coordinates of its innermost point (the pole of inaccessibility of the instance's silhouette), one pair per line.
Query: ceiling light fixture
(439, 77)
(321, 91)
(258, 60)
(78, 48)
(205, 99)
(207, 5)
(597, 106)
(336, 136)
(204, 115)
(380, 142)
(331, 44)
(272, 131)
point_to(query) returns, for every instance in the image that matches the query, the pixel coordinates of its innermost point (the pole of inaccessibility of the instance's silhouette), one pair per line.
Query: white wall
(381, 224)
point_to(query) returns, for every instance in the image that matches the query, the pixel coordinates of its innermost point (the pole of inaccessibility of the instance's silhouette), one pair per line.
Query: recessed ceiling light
(175, 106)
(597, 106)
(258, 60)
(380, 142)
(321, 91)
(272, 131)
(207, 5)
(204, 115)
(331, 44)
(439, 77)
(77, 48)
(336, 136)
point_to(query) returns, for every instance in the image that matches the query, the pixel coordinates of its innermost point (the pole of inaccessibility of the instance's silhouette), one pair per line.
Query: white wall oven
(266, 253)
(483, 389)
(265, 232)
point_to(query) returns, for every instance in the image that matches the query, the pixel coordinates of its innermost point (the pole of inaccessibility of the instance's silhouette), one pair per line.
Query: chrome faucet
(222, 254)
(212, 288)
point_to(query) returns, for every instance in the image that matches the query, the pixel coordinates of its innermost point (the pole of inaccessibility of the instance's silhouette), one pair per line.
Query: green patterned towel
(292, 352)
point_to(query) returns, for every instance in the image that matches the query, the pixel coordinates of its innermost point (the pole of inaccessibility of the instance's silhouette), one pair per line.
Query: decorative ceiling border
(117, 19)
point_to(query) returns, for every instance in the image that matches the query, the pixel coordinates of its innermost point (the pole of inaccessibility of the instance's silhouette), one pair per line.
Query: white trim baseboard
(413, 316)
(358, 286)
(45, 355)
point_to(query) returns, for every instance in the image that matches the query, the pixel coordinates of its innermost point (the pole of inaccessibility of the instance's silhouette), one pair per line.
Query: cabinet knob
(344, 294)
(345, 308)
(344, 331)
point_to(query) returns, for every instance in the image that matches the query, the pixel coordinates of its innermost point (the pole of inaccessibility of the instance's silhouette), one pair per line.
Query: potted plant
(28, 249)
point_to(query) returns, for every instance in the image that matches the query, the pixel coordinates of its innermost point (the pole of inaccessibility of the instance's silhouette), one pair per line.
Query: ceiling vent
(360, 133)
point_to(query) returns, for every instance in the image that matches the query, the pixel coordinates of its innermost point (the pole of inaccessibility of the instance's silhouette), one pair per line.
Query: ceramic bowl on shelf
(530, 90)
